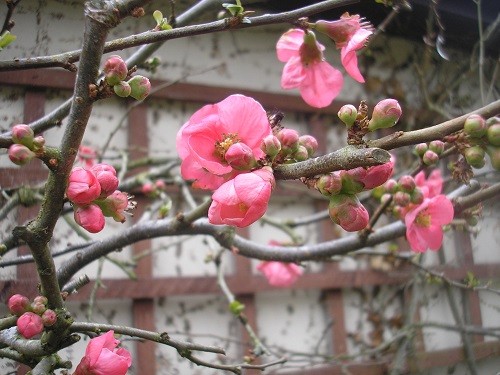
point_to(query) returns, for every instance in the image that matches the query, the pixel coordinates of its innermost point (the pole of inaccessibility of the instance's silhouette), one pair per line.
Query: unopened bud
(301, 154)
(23, 134)
(475, 156)
(430, 158)
(385, 114)
(289, 139)
(29, 324)
(437, 146)
(140, 87)
(475, 126)
(347, 114)
(115, 70)
(417, 196)
(38, 143)
(391, 186)
(347, 211)
(310, 143)
(401, 198)
(493, 134)
(494, 154)
(122, 89)
(90, 218)
(271, 146)
(20, 154)
(329, 184)
(49, 318)
(406, 183)
(240, 157)
(41, 299)
(38, 308)
(18, 304)
(421, 148)
(351, 180)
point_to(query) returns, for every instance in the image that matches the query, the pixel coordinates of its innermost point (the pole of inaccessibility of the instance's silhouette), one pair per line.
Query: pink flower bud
(115, 70)
(140, 87)
(347, 211)
(280, 274)
(377, 175)
(401, 198)
(421, 148)
(391, 186)
(148, 188)
(342, 30)
(475, 126)
(20, 154)
(437, 146)
(29, 324)
(407, 183)
(385, 114)
(475, 156)
(90, 218)
(87, 155)
(23, 134)
(115, 205)
(310, 143)
(38, 308)
(49, 318)
(348, 114)
(18, 304)
(41, 299)
(106, 175)
(122, 89)
(160, 184)
(430, 158)
(240, 157)
(83, 186)
(494, 154)
(38, 142)
(417, 196)
(329, 184)
(352, 180)
(271, 146)
(493, 135)
(289, 139)
(300, 154)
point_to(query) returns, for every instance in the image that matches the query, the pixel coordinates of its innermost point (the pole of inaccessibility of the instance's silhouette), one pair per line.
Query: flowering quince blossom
(279, 273)
(29, 324)
(203, 141)
(424, 223)
(306, 69)
(115, 205)
(102, 357)
(350, 34)
(90, 218)
(83, 186)
(431, 186)
(242, 200)
(106, 175)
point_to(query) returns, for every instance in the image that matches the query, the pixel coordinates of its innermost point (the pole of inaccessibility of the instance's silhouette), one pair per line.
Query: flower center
(423, 219)
(222, 146)
(243, 207)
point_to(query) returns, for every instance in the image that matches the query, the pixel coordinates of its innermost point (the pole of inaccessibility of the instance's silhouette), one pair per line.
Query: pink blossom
(87, 155)
(279, 273)
(203, 141)
(83, 186)
(20, 154)
(372, 177)
(347, 211)
(242, 200)
(18, 304)
(102, 357)
(106, 175)
(431, 186)
(424, 223)
(89, 218)
(115, 205)
(350, 33)
(29, 324)
(306, 69)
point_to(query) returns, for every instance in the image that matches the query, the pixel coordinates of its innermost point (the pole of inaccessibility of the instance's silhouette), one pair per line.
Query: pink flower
(350, 33)
(106, 175)
(83, 186)
(372, 177)
(242, 200)
(29, 324)
(347, 211)
(203, 141)
(102, 357)
(115, 70)
(18, 304)
(431, 186)
(424, 223)
(115, 205)
(306, 69)
(89, 218)
(279, 273)
(87, 155)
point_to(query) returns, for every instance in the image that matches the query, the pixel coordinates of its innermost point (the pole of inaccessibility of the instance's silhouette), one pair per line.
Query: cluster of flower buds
(33, 316)
(26, 145)
(116, 73)
(286, 146)
(483, 137)
(94, 196)
(341, 188)
(386, 114)
(429, 152)
(153, 189)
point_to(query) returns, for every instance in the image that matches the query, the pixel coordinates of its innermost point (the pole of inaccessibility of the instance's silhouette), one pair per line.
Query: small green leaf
(236, 307)
(233, 8)
(6, 39)
(158, 16)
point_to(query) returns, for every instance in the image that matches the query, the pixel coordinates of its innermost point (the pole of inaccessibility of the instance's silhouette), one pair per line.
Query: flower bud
(83, 186)
(18, 304)
(20, 154)
(377, 175)
(417, 196)
(49, 318)
(475, 156)
(115, 205)
(41, 299)
(148, 188)
(493, 134)
(329, 184)
(385, 197)
(140, 87)
(391, 186)
(437, 146)
(271, 146)
(38, 308)
(341, 30)
(493, 120)
(347, 211)
(106, 175)
(29, 324)
(115, 70)
(347, 114)
(385, 114)
(430, 158)
(401, 198)
(494, 154)
(89, 218)
(160, 184)
(351, 180)
(240, 157)
(301, 154)
(23, 134)
(407, 183)
(38, 143)
(421, 148)
(122, 89)
(289, 139)
(310, 143)
(475, 126)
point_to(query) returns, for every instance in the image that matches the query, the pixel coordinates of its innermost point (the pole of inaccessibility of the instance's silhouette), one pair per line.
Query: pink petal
(293, 74)
(289, 43)
(433, 236)
(321, 85)
(417, 242)
(348, 54)
(441, 210)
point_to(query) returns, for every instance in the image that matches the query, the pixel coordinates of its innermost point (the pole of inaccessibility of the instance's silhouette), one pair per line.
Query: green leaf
(236, 307)
(6, 39)
(158, 16)
(233, 8)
